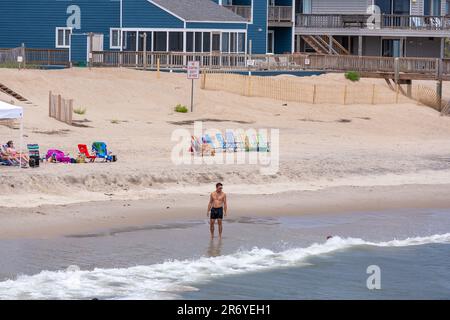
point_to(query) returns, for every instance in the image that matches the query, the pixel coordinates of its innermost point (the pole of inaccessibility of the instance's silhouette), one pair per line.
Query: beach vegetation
(180, 108)
(114, 121)
(80, 111)
(352, 76)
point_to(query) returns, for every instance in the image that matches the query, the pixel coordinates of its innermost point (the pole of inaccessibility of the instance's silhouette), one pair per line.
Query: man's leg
(219, 222)
(211, 227)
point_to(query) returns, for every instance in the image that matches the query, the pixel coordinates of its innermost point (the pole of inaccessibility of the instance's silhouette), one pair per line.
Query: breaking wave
(165, 280)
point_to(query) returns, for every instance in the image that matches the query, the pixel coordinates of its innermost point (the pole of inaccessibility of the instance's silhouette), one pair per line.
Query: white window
(63, 37)
(115, 39)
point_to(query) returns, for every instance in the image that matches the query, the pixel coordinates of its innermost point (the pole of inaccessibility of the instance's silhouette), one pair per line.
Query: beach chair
(221, 142)
(84, 150)
(5, 160)
(230, 142)
(263, 145)
(210, 142)
(251, 143)
(101, 151)
(196, 146)
(239, 138)
(33, 151)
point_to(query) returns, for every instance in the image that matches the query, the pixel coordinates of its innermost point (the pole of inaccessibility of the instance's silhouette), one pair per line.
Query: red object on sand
(84, 150)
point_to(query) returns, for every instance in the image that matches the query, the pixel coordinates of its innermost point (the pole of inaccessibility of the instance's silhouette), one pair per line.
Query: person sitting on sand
(216, 207)
(5, 157)
(14, 155)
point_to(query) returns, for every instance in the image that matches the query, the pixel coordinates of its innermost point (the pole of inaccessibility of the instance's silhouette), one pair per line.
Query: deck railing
(411, 22)
(243, 11)
(280, 14)
(426, 67)
(48, 57)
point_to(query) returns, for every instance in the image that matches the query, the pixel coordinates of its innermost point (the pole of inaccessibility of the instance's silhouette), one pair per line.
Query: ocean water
(258, 258)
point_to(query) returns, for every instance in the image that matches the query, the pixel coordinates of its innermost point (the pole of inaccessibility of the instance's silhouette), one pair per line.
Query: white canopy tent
(9, 111)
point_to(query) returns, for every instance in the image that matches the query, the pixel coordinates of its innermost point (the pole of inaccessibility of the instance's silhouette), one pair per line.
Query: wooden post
(91, 43)
(373, 93)
(145, 51)
(158, 64)
(439, 86)
(203, 85)
(314, 94)
(249, 85)
(50, 104)
(345, 95)
(70, 120)
(58, 108)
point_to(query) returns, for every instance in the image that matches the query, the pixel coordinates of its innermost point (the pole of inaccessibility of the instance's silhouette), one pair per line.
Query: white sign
(19, 59)
(250, 63)
(307, 61)
(193, 70)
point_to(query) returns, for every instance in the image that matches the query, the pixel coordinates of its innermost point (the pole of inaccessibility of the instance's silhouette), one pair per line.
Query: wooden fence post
(58, 110)
(314, 94)
(50, 104)
(345, 95)
(373, 94)
(70, 112)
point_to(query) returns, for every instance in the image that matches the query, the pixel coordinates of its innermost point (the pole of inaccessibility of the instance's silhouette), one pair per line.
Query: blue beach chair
(231, 142)
(220, 141)
(101, 151)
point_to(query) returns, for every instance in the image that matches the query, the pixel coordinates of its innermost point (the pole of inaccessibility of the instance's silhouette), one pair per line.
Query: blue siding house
(169, 25)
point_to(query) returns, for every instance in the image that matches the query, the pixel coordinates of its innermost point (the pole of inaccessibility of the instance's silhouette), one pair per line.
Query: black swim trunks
(216, 213)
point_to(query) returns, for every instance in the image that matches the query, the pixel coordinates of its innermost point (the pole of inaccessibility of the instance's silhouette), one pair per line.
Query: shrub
(352, 76)
(180, 108)
(80, 111)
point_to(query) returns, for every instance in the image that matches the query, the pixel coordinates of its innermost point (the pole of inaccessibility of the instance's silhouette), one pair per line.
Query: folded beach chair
(231, 142)
(196, 146)
(263, 145)
(239, 138)
(101, 151)
(33, 151)
(58, 156)
(84, 150)
(251, 143)
(220, 141)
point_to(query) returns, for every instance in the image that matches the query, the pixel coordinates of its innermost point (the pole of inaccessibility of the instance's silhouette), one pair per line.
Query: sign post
(193, 73)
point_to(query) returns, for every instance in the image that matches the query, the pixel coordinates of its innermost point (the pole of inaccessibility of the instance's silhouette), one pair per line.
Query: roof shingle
(199, 10)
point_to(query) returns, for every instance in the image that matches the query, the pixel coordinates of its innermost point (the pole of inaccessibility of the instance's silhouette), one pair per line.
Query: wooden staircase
(13, 94)
(321, 44)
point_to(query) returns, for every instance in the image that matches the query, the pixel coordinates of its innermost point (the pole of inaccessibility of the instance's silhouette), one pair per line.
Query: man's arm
(211, 201)
(225, 206)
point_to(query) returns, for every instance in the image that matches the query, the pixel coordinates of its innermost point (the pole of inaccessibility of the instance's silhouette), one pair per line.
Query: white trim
(65, 45)
(183, 29)
(273, 41)
(119, 30)
(293, 27)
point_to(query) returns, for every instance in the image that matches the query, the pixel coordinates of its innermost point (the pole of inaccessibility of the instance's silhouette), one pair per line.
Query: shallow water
(258, 258)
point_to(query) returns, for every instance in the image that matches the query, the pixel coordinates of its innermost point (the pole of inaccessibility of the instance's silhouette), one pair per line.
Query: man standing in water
(216, 207)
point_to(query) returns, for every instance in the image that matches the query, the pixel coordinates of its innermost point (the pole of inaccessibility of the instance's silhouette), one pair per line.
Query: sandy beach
(333, 158)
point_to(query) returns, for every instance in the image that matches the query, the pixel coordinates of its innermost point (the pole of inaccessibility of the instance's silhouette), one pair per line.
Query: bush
(79, 111)
(352, 76)
(180, 108)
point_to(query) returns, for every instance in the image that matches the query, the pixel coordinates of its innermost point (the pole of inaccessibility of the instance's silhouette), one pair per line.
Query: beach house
(391, 28)
(125, 25)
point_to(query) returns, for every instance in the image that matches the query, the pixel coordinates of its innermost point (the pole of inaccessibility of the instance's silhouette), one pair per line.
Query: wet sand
(91, 217)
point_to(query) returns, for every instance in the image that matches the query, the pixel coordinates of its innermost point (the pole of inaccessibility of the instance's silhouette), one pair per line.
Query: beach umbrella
(9, 111)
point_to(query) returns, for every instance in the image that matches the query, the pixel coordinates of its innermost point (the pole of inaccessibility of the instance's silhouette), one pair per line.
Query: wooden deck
(376, 67)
